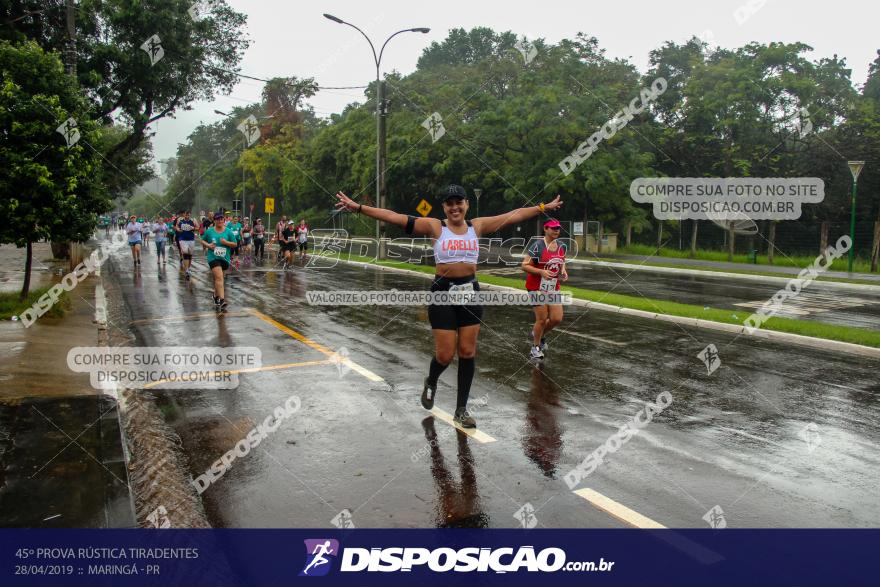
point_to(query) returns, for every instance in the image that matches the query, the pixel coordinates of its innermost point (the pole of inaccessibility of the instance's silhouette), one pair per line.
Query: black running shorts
(219, 263)
(453, 317)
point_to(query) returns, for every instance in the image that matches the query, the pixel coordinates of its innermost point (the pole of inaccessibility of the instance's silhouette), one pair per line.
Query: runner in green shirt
(219, 239)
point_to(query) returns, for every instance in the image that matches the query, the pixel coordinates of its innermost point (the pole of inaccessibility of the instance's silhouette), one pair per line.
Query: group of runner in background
(226, 240)
(180, 231)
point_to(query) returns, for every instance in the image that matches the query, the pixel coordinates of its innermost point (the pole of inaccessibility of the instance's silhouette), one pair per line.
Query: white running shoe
(536, 353)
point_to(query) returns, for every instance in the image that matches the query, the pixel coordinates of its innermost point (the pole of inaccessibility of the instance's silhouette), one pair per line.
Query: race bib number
(246, 234)
(219, 251)
(548, 284)
(462, 293)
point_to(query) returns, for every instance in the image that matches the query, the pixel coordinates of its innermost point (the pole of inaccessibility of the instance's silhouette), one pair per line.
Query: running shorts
(187, 247)
(445, 317)
(219, 263)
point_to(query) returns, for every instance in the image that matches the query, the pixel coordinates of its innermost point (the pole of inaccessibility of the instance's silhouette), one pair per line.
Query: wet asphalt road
(734, 438)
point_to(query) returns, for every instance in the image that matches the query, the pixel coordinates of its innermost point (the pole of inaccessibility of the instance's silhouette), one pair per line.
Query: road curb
(773, 335)
(742, 276)
(113, 392)
(159, 481)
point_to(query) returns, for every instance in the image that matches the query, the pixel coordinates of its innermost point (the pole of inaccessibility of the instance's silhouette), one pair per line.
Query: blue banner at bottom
(434, 557)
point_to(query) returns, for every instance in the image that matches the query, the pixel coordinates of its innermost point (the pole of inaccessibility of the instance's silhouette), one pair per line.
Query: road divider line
(474, 433)
(617, 510)
(256, 370)
(281, 366)
(184, 317)
(587, 336)
(335, 357)
(632, 518)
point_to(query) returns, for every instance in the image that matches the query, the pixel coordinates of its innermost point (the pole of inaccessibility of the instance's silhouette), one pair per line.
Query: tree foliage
(510, 117)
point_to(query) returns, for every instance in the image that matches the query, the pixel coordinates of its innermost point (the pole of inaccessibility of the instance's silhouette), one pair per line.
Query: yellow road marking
(282, 366)
(335, 357)
(617, 510)
(185, 317)
(477, 435)
(254, 370)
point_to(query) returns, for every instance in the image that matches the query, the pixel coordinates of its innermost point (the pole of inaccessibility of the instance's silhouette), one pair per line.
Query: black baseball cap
(452, 191)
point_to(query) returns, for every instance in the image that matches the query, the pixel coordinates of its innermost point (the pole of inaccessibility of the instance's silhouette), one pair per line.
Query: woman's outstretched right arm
(421, 226)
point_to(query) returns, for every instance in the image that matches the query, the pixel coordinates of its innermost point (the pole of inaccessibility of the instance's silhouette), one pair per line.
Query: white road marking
(474, 433)
(589, 337)
(617, 510)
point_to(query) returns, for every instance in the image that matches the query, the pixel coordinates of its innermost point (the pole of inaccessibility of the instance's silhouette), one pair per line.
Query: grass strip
(859, 265)
(723, 270)
(11, 306)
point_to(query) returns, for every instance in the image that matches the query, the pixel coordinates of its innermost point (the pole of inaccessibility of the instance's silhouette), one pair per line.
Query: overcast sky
(291, 38)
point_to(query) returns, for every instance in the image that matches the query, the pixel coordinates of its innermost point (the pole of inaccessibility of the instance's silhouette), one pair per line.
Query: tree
(51, 190)
(127, 172)
(200, 55)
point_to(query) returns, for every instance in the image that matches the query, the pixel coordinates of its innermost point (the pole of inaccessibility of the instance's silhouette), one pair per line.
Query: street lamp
(855, 167)
(477, 193)
(380, 122)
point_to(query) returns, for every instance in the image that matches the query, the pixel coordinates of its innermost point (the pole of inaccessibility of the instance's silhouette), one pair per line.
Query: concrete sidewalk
(61, 450)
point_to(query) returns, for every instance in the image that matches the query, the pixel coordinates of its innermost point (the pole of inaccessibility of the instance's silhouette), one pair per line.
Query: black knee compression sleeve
(465, 377)
(437, 369)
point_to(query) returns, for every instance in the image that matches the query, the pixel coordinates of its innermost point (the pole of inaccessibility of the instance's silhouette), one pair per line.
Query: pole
(380, 160)
(242, 184)
(852, 228)
(70, 57)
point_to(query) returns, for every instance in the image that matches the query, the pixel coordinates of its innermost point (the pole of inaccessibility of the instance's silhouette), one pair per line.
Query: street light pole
(381, 113)
(855, 167)
(380, 159)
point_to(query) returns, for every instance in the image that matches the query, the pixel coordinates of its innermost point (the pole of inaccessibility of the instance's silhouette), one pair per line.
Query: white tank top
(457, 248)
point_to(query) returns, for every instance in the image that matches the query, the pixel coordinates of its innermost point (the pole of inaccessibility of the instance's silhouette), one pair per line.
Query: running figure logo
(69, 131)
(710, 358)
(317, 552)
(434, 125)
(250, 129)
(526, 516)
(715, 518)
(528, 50)
(153, 48)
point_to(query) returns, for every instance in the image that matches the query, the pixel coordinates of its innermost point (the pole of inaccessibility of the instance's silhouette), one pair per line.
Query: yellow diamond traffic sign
(424, 208)
(270, 205)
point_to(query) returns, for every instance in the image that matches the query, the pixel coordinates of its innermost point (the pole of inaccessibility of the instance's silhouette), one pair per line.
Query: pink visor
(552, 223)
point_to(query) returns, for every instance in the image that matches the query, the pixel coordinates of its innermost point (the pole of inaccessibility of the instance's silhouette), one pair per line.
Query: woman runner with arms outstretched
(456, 250)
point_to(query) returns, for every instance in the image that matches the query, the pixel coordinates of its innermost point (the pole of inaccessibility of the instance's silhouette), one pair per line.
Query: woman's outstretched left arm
(490, 224)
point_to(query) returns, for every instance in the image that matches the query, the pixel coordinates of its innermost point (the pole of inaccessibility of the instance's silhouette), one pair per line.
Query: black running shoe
(224, 306)
(464, 419)
(428, 393)
(216, 300)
